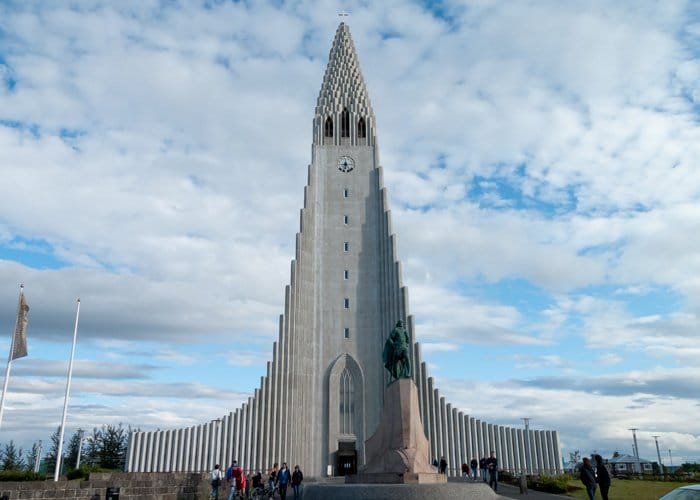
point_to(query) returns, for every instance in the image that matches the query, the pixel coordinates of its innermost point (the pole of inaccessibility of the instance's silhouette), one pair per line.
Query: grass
(630, 488)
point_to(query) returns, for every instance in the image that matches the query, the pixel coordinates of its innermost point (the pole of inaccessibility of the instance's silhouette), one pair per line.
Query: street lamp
(658, 454)
(37, 459)
(636, 448)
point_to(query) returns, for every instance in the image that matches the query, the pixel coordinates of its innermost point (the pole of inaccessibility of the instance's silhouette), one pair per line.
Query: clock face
(345, 164)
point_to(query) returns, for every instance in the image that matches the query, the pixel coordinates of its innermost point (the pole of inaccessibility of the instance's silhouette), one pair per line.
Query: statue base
(398, 451)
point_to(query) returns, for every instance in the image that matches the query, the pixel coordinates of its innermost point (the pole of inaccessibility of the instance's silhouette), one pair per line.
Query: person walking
(297, 478)
(216, 476)
(475, 467)
(272, 479)
(482, 468)
(231, 481)
(465, 471)
(492, 467)
(602, 476)
(588, 477)
(443, 466)
(283, 479)
(238, 479)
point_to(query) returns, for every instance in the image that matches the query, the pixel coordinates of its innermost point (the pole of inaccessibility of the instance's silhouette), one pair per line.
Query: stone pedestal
(399, 452)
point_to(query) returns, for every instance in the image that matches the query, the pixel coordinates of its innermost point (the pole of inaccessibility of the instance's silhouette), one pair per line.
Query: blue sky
(541, 163)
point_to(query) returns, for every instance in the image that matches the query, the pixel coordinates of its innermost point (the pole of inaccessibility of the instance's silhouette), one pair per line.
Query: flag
(19, 345)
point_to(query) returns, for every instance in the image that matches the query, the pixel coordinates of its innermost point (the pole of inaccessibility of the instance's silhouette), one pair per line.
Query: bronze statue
(396, 354)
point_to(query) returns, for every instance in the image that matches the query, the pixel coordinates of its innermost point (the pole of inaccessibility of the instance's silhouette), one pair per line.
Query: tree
(114, 444)
(12, 457)
(574, 458)
(53, 452)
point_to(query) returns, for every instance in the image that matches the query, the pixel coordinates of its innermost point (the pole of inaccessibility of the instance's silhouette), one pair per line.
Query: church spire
(343, 110)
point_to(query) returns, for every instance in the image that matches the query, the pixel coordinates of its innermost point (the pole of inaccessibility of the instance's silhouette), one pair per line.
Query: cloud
(540, 160)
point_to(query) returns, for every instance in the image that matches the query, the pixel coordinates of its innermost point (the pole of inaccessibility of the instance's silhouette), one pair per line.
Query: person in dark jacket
(443, 466)
(283, 479)
(602, 476)
(297, 478)
(482, 467)
(492, 467)
(475, 467)
(588, 477)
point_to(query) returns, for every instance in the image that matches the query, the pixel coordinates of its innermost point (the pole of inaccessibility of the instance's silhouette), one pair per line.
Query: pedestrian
(465, 471)
(475, 467)
(602, 476)
(297, 478)
(492, 467)
(239, 479)
(588, 477)
(231, 481)
(283, 479)
(443, 466)
(482, 468)
(216, 476)
(272, 479)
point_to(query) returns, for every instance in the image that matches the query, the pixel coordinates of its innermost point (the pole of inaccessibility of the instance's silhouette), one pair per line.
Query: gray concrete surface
(448, 491)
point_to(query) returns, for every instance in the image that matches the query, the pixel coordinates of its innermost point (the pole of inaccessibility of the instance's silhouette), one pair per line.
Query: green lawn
(633, 489)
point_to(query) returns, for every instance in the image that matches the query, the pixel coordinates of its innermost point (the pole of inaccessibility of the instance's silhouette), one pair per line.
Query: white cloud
(540, 160)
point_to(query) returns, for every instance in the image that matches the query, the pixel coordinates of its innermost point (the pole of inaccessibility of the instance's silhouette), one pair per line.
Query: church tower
(345, 294)
(322, 395)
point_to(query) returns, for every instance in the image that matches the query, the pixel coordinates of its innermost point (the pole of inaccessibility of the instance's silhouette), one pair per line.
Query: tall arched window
(361, 129)
(328, 128)
(345, 123)
(347, 406)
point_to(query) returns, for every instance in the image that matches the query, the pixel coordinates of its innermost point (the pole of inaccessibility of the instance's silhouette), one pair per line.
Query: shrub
(20, 475)
(550, 484)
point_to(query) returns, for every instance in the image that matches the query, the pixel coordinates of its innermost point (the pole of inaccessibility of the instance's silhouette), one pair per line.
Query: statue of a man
(396, 352)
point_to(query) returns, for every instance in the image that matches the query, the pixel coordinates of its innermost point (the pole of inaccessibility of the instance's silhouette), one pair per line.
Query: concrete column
(533, 452)
(500, 444)
(444, 448)
(474, 445)
(487, 440)
(550, 453)
(514, 450)
(462, 440)
(246, 434)
(450, 448)
(176, 458)
(425, 403)
(254, 431)
(433, 436)
(479, 439)
(557, 451)
(167, 450)
(524, 463)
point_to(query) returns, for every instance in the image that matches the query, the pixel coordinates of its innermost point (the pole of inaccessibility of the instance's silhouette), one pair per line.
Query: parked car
(690, 492)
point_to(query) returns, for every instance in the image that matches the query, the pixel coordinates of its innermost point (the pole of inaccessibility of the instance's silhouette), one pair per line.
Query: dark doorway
(347, 458)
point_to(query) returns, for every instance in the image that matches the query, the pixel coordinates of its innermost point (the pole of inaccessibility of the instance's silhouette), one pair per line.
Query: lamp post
(636, 448)
(37, 459)
(80, 448)
(658, 455)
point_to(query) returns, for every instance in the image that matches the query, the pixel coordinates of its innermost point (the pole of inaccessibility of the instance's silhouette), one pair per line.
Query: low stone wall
(155, 485)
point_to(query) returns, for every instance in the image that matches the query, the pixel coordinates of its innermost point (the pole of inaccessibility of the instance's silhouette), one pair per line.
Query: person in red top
(239, 477)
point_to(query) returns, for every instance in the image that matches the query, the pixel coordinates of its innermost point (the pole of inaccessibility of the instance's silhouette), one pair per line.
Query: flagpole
(9, 357)
(65, 402)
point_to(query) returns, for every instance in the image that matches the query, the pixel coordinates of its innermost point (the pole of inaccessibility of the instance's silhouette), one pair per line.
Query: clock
(345, 164)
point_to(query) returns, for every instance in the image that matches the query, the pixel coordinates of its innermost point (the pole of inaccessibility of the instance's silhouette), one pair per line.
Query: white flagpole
(65, 402)
(9, 357)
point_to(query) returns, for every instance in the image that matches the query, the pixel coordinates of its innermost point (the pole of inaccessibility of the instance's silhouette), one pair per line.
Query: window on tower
(328, 128)
(346, 274)
(361, 129)
(346, 192)
(346, 246)
(346, 303)
(346, 219)
(345, 123)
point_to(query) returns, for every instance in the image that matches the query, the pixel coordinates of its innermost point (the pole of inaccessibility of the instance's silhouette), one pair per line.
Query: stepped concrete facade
(323, 393)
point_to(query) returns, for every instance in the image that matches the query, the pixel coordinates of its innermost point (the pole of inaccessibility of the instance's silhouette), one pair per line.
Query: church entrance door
(346, 458)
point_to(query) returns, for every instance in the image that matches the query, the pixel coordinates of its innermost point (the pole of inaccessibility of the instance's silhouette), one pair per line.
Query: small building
(628, 464)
